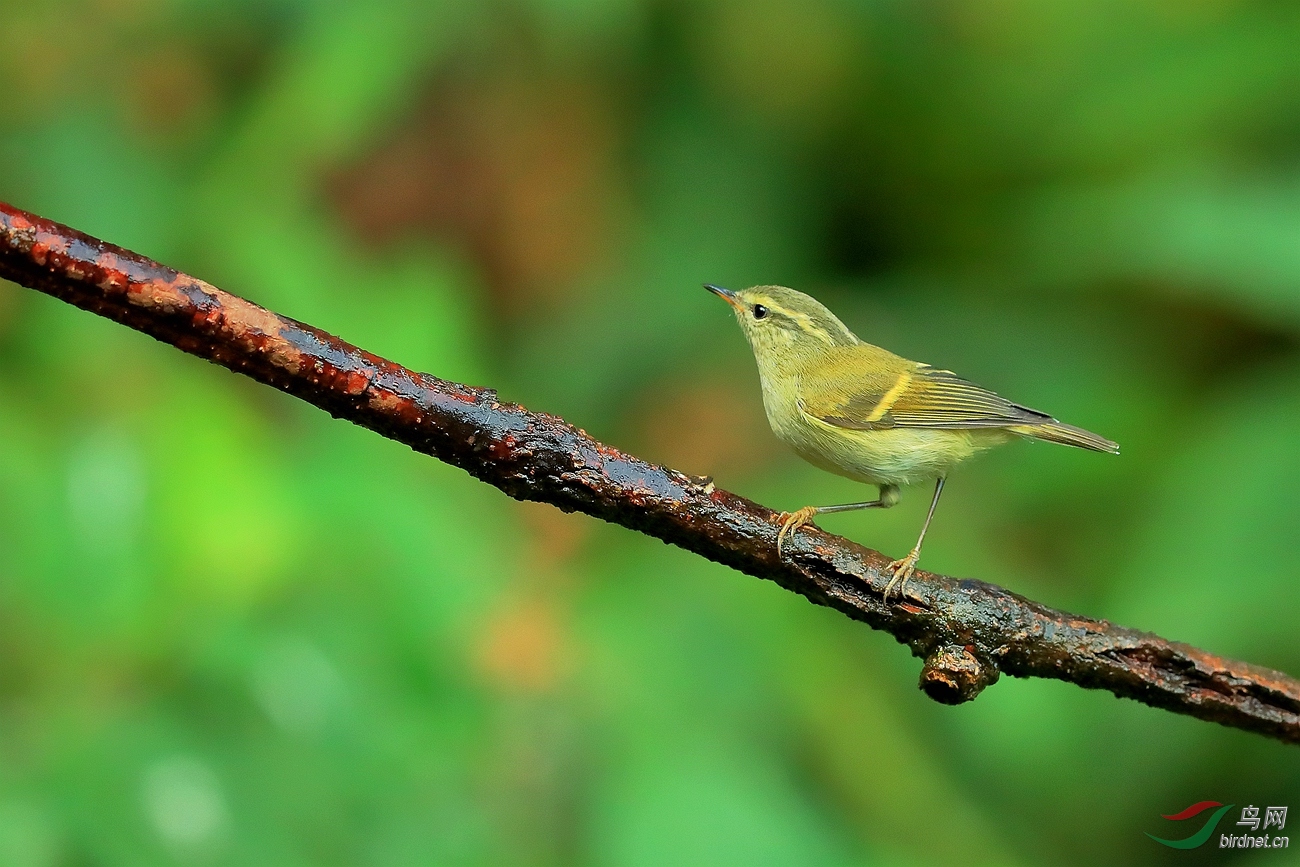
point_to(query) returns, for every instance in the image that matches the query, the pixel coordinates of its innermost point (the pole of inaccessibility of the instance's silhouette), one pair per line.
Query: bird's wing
(855, 395)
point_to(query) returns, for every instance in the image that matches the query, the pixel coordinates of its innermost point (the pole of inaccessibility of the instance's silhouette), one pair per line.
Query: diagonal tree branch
(968, 632)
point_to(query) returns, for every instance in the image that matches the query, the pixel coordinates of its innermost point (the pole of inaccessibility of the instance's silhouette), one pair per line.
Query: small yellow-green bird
(863, 412)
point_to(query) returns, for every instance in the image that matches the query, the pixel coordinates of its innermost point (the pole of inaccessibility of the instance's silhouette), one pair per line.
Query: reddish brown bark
(968, 632)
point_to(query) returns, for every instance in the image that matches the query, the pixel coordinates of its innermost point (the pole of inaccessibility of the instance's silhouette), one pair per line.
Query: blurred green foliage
(236, 631)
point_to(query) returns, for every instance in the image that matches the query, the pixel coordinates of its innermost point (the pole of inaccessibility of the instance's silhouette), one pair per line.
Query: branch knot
(953, 674)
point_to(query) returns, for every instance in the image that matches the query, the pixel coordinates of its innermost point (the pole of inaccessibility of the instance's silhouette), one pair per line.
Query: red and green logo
(1199, 838)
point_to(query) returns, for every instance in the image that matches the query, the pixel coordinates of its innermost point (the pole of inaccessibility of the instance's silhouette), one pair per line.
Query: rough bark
(968, 632)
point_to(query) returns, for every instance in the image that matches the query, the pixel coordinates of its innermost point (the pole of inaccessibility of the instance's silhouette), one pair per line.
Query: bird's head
(784, 326)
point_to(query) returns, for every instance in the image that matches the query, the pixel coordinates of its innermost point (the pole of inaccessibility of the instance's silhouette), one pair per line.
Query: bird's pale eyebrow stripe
(889, 397)
(804, 321)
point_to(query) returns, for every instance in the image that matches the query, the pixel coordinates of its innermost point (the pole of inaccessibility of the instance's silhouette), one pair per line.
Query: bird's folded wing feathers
(919, 396)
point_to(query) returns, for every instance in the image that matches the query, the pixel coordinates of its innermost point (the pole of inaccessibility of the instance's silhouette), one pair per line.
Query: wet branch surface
(968, 632)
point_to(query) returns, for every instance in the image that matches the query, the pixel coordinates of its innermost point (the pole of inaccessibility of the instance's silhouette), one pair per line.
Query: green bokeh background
(236, 631)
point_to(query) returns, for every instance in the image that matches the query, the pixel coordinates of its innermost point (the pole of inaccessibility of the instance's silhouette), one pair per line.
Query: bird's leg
(903, 569)
(795, 520)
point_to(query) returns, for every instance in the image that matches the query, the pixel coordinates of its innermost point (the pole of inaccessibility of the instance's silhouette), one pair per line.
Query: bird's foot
(902, 570)
(793, 521)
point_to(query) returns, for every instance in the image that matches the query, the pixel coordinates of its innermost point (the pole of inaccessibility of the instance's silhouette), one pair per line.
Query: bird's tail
(1067, 434)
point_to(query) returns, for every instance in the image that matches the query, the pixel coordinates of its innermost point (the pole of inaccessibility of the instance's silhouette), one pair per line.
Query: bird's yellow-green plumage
(863, 412)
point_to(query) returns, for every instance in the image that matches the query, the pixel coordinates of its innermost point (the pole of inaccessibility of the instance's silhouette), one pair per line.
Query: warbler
(863, 412)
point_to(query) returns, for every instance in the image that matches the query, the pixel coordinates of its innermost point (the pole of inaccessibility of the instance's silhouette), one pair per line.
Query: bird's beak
(725, 294)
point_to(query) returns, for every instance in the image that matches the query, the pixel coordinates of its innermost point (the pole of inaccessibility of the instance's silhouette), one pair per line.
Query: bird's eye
(760, 312)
